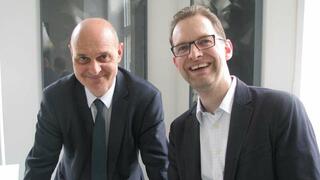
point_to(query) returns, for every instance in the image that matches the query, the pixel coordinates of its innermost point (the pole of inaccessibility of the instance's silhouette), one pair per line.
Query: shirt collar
(106, 98)
(226, 104)
(227, 101)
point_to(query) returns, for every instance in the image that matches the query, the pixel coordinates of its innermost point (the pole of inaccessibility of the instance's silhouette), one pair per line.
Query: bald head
(93, 29)
(96, 53)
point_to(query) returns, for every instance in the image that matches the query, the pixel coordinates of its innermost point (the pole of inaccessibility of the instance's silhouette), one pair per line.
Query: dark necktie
(99, 153)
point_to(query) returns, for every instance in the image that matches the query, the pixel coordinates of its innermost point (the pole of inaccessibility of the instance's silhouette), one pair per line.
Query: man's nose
(195, 52)
(95, 67)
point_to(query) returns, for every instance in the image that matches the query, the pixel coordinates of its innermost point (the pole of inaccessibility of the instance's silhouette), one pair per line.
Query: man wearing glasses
(235, 131)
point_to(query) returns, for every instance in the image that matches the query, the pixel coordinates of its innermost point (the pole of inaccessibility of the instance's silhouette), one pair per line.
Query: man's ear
(120, 51)
(70, 49)
(228, 49)
(174, 59)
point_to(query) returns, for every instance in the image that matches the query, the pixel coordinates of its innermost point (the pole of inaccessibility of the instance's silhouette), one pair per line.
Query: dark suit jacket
(270, 138)
(65, 120)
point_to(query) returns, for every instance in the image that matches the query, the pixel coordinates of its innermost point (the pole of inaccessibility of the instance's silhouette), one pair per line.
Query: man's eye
(182, 48)
(83, 59)
(104, 58)
(205, 42)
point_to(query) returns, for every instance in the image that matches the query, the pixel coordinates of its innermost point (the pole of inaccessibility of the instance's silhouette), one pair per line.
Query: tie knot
(99, 105)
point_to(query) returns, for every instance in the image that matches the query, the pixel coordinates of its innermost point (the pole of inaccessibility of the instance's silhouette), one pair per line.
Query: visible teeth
(202, 65)
(194, 67)
(199, 66)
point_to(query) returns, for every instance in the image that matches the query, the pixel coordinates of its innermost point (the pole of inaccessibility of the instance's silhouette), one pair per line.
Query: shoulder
(260, 96)
(62, 88)
(136, 85)
(272, 94)
(275, 104)
(273, 97)
(185, 118)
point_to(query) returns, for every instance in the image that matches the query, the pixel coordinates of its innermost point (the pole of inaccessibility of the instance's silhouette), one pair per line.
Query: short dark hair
(193, 10)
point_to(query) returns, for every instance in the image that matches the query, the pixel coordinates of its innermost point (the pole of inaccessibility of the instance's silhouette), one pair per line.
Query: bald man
(133, 115)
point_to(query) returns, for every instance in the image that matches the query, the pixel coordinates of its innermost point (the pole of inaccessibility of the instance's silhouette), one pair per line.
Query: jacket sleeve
(296, 151)
(152, 141)
(172, 170)
(44, 155)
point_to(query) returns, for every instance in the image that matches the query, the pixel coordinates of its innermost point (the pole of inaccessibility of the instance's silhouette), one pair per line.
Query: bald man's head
(96, 53)
(93, 28)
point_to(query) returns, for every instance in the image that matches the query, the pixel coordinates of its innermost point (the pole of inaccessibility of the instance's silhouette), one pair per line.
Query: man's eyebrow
(103, 53)
(181, 43)
(81, 54)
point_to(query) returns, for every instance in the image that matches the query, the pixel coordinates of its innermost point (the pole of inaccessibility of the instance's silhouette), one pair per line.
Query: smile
(199, 66)
(95, 77)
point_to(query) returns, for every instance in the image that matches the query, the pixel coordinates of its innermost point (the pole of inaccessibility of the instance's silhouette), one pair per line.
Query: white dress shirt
(214, 130)
(106, 99)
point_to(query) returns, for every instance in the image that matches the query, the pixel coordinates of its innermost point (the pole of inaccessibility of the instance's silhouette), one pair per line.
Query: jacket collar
(239, 123)
(118, 120)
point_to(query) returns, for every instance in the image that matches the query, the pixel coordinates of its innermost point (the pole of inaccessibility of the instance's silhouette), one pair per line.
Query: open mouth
(199, 66)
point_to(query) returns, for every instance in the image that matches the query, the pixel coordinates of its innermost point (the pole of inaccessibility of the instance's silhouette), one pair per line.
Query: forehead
(94, 41)
(192, 28)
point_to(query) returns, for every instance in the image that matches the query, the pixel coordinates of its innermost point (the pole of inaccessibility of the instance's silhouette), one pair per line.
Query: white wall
(2, 153)
(279, 44)
(20, 59)
(310, 84)
(20, 73)
(161, 70)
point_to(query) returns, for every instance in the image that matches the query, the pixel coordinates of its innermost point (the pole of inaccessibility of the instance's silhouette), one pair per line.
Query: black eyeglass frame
(194, 42)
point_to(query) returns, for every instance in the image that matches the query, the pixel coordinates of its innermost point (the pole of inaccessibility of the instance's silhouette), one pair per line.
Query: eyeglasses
(205, 42)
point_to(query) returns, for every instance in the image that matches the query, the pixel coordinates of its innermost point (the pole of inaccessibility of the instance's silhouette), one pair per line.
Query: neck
(212, 97)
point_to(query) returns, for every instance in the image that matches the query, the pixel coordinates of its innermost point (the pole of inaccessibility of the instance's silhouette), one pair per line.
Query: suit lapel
(118, 122)
(239, 123)
(192, 147)
(83, 110)
(84, 121)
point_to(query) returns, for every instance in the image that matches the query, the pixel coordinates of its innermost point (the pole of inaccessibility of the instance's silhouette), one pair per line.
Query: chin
(98, 93)
(200, 85)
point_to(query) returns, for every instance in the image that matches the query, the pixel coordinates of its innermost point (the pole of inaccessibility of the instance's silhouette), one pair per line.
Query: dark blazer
(270, 138)
(65, 120)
